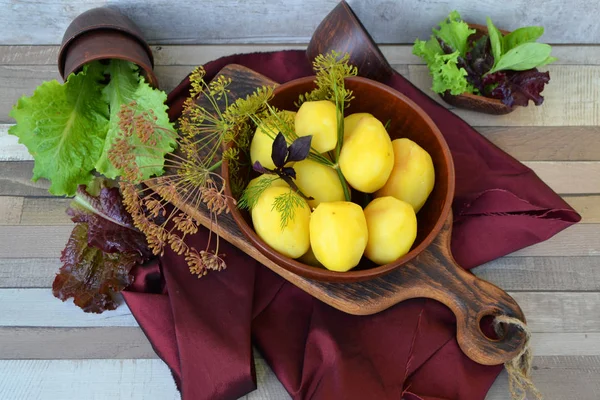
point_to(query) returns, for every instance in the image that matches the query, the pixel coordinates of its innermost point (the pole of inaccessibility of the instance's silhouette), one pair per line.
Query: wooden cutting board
(433, 274)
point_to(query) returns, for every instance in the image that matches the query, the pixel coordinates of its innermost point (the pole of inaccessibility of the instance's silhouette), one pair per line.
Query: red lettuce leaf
(110, 226)
(516, 88)
(103, 248)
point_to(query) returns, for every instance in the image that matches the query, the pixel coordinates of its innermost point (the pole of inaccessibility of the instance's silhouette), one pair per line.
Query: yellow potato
(351, 121)
(367, 157)
(318, 181)
(262, 141)
(291, 241)
(413, 176)
(319, 119)
(309, 258)
(338, 235)
(392, 225)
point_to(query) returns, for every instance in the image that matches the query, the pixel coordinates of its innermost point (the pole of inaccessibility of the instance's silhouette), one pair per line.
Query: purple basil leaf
(521, 86)
(478, 61)
(279, 150)
(257, 166)
(299, 150)
(289, 171)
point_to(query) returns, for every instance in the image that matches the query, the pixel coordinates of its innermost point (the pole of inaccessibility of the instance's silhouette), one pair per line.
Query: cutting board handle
(436, 275)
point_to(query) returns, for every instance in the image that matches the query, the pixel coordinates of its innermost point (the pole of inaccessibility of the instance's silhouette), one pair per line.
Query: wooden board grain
(111, 342)
(174, 54)
(206, 21)
(547, 312)
(558, 378)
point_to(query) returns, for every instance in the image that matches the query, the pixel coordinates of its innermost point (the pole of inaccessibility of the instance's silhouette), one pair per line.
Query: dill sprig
(285, 204)
(331, 70)
(250, 196)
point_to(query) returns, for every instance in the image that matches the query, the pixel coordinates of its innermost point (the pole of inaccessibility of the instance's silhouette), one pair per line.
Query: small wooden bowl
(101, 34)
(474, 102)
(342, 31)
(407, 120)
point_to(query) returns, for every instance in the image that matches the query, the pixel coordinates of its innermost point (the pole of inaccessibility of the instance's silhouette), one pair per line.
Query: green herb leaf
(496, 40)
(524, 57)
(454, 32)
(547, 61)
(64, 126)
(522, 35)
(446, 74)
(127, 88)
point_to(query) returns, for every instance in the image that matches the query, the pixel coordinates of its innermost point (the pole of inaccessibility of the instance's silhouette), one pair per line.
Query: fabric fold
(202, 328)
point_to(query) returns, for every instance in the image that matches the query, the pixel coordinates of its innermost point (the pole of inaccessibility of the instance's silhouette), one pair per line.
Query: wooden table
(52, 350)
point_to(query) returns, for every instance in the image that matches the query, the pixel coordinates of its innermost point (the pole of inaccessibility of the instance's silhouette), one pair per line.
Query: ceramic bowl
(100, 34)
(407, 120)
(474, 102)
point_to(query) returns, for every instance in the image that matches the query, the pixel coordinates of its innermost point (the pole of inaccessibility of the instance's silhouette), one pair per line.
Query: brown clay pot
(342, 31)
(407, 120)
(473, 102)
(100, 34)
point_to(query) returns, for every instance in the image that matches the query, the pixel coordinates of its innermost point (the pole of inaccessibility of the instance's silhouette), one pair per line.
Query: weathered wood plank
(28, 272)
(570, 99)
(578, 177)
(558, 378)
(16, 242)
(130, 342)
(529, 274)
(45, 211)
(172, 54)
(293, 22)
(542, 273)
(15, 180)
(544, 143)
(550, 312)
(587, 206)
(86, 379)
(547, 143)
(564, 177)
(33, 241)
(74, 343)
(11, 209)
(44, 310)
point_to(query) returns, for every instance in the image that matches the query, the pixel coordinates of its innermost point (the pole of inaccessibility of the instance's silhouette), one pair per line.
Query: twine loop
(519, 368)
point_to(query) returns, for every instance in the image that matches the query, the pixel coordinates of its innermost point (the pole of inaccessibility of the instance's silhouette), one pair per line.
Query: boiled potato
(262, 141)
(367, 157)
(351, 121)
(293, 240)
(309, 258)
(392, 225)
(338, 235)
(318, 181)
(413, 176)
(319, 119)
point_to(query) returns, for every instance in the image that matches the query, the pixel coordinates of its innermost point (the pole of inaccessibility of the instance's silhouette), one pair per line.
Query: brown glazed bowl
(343, 32)
(407, 120)
(474, 102)
(101, 34)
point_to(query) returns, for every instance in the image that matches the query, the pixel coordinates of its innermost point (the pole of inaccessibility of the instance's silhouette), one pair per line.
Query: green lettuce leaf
(443, 68)
(64, 127)
(125, 87)
(454, 32)
(522, 35)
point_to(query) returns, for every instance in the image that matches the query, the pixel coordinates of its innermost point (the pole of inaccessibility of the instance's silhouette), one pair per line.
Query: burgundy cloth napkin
(204, 328)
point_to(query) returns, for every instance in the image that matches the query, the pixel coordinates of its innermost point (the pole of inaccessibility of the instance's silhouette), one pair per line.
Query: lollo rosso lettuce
(103, 248)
